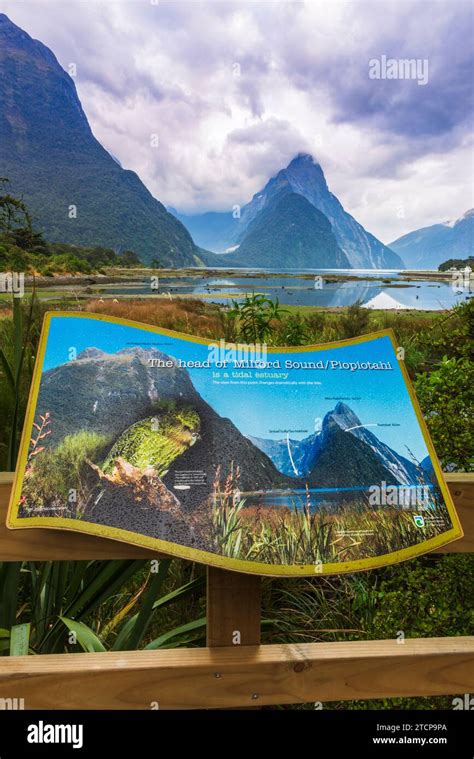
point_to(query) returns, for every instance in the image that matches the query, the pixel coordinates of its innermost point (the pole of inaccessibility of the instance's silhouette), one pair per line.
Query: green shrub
(430, 596)
(446, 396)
(314, 326)
(355, 321)
(255, 316)
(292, 331)
(451, 335)
(117, 605)
(54, 472)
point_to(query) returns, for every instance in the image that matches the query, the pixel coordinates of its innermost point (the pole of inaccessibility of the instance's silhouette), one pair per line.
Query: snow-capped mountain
(429, 247)
(344, 453)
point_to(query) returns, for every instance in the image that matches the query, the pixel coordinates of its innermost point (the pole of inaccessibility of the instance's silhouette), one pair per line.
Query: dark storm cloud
(439, 33)
(235, 89)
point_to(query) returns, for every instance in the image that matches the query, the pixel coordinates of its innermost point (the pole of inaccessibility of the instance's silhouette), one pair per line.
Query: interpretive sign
(279, 461)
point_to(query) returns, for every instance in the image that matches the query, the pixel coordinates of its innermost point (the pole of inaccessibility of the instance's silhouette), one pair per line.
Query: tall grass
(296, 537)
(290, 536)
(181, 315)
(226, 528)
(58, 474)
(99, 605)
(18, 340)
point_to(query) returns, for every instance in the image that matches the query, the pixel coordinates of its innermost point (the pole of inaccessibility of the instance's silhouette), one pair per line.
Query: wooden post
(233, 608)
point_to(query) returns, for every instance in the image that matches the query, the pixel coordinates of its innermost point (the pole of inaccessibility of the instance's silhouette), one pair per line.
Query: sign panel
(279, 461)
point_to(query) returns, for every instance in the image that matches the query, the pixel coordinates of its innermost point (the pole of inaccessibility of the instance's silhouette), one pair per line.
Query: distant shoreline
(115, 275)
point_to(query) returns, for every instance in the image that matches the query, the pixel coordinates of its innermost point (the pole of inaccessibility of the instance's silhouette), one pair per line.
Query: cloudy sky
(206, 100)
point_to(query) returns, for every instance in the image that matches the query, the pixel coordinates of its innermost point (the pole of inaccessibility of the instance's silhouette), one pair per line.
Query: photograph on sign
(272, 460)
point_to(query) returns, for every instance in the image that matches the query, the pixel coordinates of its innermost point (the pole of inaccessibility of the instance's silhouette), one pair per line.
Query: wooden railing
(223, 675)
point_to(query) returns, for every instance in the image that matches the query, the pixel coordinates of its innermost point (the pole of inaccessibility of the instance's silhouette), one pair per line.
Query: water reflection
(373, 293)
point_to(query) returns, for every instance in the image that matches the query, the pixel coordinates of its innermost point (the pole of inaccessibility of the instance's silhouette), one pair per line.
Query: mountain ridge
(288, 229)
(342, 453)
(75, 190)
(430, 246)
(113, 391)
(303, 176)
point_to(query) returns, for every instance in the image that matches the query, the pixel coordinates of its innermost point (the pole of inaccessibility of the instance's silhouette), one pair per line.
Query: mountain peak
(91, 353)
(303, 176)
(10, 31)
(453, 222)
(25, 50)
(343, 416)
(428, 247)
(333, 458)
(302, 159)
(304, 167)
(144, 354)
(466, 215)
(342, 408)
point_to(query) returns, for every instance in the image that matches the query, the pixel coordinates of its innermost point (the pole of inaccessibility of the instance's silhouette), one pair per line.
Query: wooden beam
(461, 487)
(44, 545)
(240, 676)
(233, 608)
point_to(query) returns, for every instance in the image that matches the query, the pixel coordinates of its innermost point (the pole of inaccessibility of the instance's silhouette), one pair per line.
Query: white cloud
(172, 70)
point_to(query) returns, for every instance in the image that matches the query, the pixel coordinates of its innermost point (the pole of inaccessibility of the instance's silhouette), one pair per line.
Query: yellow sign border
(206, 557)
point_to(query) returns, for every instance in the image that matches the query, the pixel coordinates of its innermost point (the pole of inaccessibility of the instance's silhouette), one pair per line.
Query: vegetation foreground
(125, 605)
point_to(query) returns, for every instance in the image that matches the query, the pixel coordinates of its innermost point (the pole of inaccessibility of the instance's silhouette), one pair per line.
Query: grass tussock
(353, 531)
(185, 315)
(56, 476)
(288, 536)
